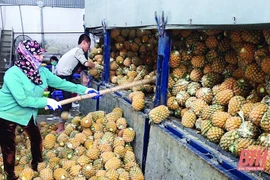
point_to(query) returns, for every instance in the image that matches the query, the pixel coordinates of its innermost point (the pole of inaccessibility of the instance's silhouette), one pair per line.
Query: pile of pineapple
(219, 84)
(133, 57)
(95, 146)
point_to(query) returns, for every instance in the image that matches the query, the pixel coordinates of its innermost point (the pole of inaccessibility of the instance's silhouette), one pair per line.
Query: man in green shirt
(21, 97)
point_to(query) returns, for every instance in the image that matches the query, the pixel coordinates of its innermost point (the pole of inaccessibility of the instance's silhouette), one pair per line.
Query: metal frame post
(163, 61)
(106, 53)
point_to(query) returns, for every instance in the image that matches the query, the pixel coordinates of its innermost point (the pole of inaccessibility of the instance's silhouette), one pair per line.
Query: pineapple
(208, 111)
(175, 59)
(224, 45)
(159, 113)
(211, 79)
(181, 97)
(240, 144)
(49, 141)
(265, 121)
(253, 37)
(196, 75)
(211, 42)
(246, 109)
(235, 104)
(60, 174)
(223, 97)
(198, 105)
(180, 85)
(188, 119)
(265, 65)
(75, 170)
(232, 123)
(120, 151)
(214, 134)
(246, 54)
(88, 170)
(198, 61)
(264, 140)
(113, 163)
(219, 118)
(128, 135)
(205, 126)
(247, 130)
(138, 104)
(179, 72)
(27, 174)
(93, 153)
(231, 57)
(218, 65)
(254, 74)
(228, 139)
(241, 87)
(172, 103)
(136, 173)
(205, 94)
(257, 113)
(193, 87)
(46, 173)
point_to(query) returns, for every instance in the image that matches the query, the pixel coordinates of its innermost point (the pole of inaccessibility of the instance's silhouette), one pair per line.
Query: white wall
(62, 26)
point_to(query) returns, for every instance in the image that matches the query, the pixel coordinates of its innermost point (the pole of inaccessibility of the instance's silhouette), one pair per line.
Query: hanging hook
(161, 23)
(104, 27)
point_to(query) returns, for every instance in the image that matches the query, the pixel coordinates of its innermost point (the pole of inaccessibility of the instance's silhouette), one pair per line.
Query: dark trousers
(8, 146)
(66, 94)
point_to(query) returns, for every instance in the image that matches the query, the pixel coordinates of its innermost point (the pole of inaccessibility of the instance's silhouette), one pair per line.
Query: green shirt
(20, 98)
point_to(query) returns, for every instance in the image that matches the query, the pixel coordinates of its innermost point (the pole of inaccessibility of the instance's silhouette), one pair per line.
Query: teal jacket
(20, 98)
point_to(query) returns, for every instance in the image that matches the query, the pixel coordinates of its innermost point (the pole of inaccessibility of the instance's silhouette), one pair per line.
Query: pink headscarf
(27, 62)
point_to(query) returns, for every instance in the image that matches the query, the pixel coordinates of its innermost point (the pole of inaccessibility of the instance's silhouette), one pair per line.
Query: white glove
(53, 104)
(91, 90)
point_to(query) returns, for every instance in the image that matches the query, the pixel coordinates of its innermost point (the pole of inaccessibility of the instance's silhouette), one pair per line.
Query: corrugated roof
(48, 3)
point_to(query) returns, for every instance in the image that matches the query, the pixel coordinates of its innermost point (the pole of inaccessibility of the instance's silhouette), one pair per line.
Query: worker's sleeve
(15, 87)
(79, 55)
(58, 83)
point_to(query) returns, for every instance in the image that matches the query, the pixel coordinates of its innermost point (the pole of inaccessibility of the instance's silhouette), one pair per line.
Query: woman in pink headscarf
(21, 97)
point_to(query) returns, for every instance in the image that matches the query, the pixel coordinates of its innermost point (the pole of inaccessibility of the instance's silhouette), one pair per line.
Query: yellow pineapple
(60, 174)
(211, 42)
(195, 75)
(257, 113)
(235, 104)
(198, 106)
(75, 170)
(88, 170)
(159, 113)
(254, 73)
(113, 163)
(120, 151)
(49, 141)
(175, 59)
(223, 97)
(233, 123)
(128, 135)
(198, 61)
(265, 121)
(172, 103)
(138, 104)
(214, 134)
(188, 119)
(27, 174)
(219, 118)
(228, 139)
(136, 173)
